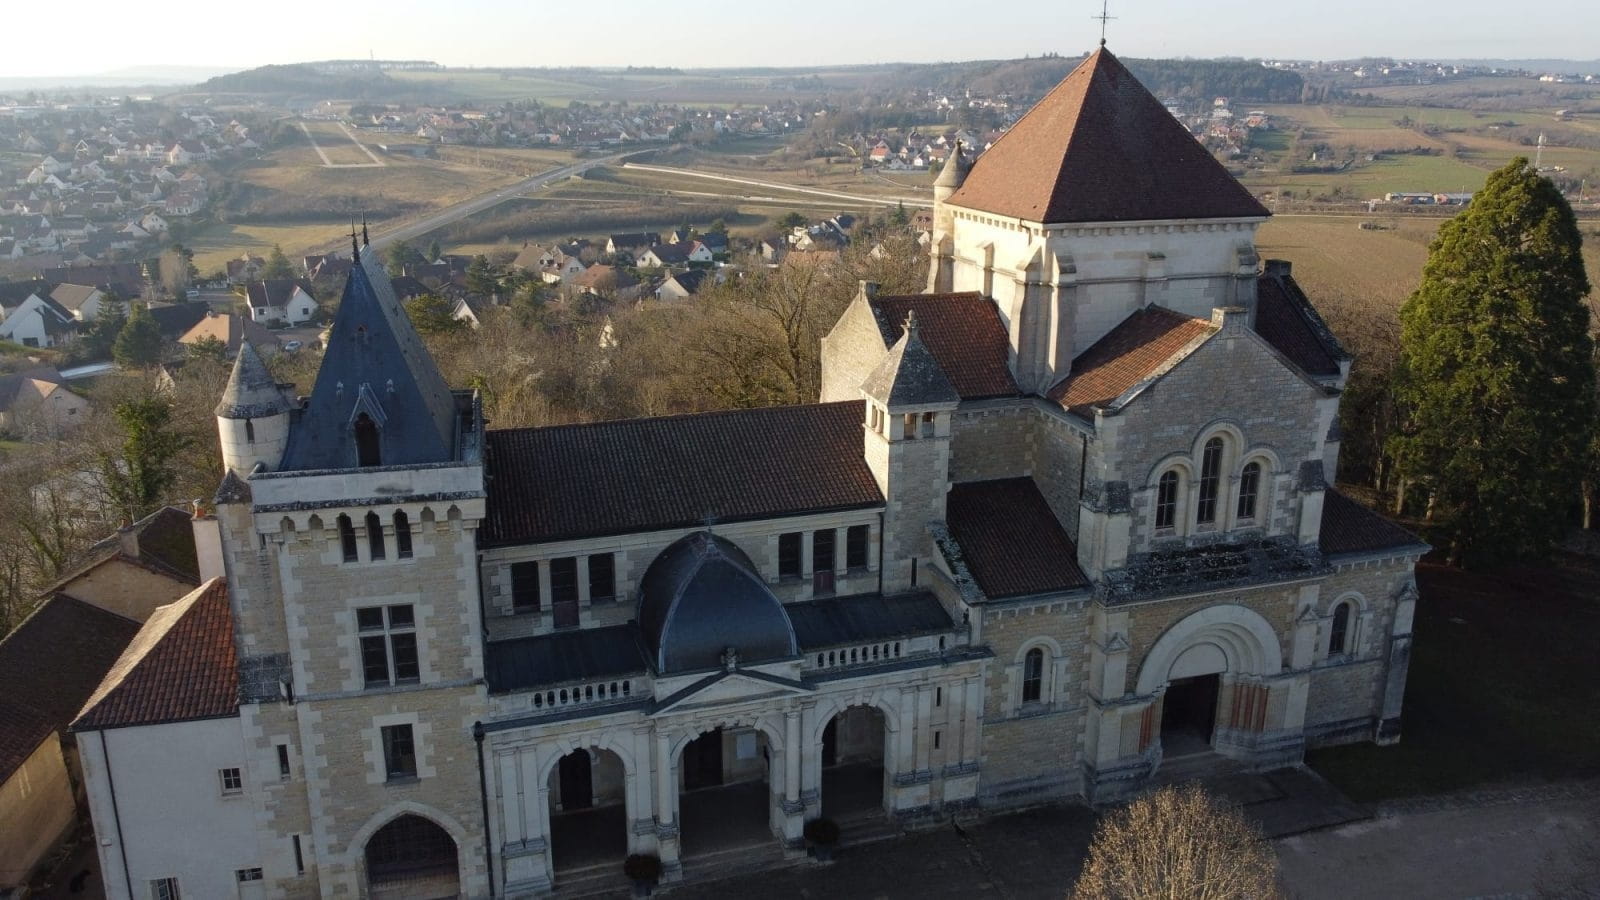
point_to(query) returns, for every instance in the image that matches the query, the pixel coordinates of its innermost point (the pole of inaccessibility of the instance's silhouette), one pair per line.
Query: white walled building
(1057, 521)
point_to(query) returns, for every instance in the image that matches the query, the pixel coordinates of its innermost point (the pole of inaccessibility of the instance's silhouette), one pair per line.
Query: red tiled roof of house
(571, 481)
(1100, 148)
(1010, 540)
(1349, 527)
(49, 665)
(1130, 353)
(180, 666)
(962, 331)
(1286, 320)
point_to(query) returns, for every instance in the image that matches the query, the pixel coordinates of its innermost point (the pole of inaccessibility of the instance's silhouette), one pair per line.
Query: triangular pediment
(737, 686)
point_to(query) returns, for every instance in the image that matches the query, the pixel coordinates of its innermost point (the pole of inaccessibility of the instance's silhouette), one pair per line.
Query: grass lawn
(1502, 685)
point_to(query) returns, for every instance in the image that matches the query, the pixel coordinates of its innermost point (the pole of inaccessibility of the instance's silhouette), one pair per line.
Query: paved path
(1516, 843)
(777, 186)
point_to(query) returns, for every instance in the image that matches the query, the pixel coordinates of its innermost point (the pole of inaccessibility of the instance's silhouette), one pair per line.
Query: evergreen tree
(138, 478)
(434, 252)
(278, 265)
(433, 314)
(481, 276)
(138, 345)
(1497, 381)
(98, 341)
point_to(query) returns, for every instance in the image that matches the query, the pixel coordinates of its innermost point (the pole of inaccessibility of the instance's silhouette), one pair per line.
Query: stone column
(641, 799)
(810, 765)
(667, 808)
(794, 809)
(1394, 678)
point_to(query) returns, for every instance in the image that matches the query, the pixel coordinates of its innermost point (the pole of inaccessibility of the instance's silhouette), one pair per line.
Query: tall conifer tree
(1497, 376)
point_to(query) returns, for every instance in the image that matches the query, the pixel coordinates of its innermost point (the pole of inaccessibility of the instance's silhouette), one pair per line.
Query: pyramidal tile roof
(375, 360)
(179, 667)
(251, 392)
(1099, 147)
(909, 375)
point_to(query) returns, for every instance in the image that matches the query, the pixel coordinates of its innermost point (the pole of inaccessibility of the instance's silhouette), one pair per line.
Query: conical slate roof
(909, 375)
(375, 364)
(954, 171)
(251, 392)
(1101, 148)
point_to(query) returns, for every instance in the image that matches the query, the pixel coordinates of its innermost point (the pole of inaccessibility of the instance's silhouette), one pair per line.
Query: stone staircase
(595, 881)
(1194, 767)
(867, 830)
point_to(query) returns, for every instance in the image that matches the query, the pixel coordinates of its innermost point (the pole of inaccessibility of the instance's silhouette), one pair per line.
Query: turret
(909, 400)
(253, 416)
(942, 250)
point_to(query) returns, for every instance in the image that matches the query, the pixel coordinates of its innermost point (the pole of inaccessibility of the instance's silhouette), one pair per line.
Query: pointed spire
(910, 376)
(251, 392)
(365, 241)
(954, 171)
(355, 249)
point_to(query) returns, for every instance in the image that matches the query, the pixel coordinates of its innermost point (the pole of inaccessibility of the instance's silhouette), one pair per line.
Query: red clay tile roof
(49, 666)
(1100, 148)
(1349, 527)
(962, 331)
(1131, 352)
(1286, 320)
(571, 481)
(181, 666)
(1010, 540)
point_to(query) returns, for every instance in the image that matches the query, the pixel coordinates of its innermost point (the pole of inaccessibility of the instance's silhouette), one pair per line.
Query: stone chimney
(128, 541)
(207, 544)
(866, 290)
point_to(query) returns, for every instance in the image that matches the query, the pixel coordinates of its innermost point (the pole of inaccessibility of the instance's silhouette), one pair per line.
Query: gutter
(116, 816)
(483, 794)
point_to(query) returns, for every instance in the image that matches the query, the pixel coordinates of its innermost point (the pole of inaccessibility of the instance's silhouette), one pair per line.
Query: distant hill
(1237, 79)
(306, 79)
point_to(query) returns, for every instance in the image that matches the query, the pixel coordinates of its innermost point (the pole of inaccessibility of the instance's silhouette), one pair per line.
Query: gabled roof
(181, 666)
(571, 481)
(231, 330)
(962, 331)
(1100, 148)
(73, 296)
(49, 666)
(1349, 527)
(275, 292)
(909, 375)
(1010, 540)
(1286, 319)
(164, 541)
(1143, 345)
(373, 352)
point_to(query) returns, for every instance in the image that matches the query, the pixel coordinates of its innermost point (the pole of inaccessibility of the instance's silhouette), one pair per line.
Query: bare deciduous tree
(1177, 843)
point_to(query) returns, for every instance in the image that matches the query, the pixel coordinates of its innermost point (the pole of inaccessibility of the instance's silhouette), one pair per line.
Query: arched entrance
(411, 858)
(853, 746)
(725, 794)
(588, 810)
(1190, 665)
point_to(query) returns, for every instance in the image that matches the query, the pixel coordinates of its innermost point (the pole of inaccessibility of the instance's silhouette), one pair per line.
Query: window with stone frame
(374, 536)
(399, 753)
(388, 636)
(789, 546)
(1033, 675)
(525, 587)
(564, 591)
(1339, 629)
(1249, 489)
(164, 889)
(1167, 501)
(232, 780)
(347, 539)
(402, 535)
(1210, 481)
(855, 547)
(602, 578)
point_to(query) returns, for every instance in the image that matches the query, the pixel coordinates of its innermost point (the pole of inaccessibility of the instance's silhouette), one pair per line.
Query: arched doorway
(588, 810)
(725, 794)
(411, 858)
(853, 745)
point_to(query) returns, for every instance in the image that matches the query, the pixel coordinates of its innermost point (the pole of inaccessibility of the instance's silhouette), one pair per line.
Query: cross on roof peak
(1104, 17)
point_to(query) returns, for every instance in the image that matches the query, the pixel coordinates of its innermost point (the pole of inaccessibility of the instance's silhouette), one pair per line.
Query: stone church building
(1060, 526)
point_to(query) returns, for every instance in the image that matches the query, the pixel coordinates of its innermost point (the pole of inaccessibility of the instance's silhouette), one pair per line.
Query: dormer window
(366, 432)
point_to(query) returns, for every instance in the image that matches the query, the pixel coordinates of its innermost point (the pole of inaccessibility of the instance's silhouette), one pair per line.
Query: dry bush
(1178, 843)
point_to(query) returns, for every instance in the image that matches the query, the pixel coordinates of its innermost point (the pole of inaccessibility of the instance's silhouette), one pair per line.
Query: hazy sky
(113, 34)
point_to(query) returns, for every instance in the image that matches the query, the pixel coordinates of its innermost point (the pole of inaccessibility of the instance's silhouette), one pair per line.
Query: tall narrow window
(1032, 675)
(602, 578)
(789, 555)
(388, 645)
(249, 431)
(347, 538)
(1340, 628)
(908, 429)
(1167, 500)
(402, 535)
(1249, 486)
(283, 762)
(855, 547)
(399, 752)
(525, 587)
(927, 424)
(367, 442)
(564, 591)
(299, 857)
(374, 536)
(1210, 477)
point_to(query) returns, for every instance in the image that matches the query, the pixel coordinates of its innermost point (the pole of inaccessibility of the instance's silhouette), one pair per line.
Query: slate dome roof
(701, 596)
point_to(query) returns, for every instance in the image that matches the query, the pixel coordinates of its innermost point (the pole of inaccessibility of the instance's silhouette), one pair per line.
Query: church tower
(252, 417)
(1096, 204)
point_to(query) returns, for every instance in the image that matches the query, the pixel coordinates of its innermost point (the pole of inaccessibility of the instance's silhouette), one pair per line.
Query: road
(777, 186)
(416, 228)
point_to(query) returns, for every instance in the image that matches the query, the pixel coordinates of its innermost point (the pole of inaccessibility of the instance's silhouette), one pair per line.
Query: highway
(793, 188)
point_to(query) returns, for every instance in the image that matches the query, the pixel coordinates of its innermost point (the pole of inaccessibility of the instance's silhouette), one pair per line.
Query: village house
(284, 301)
